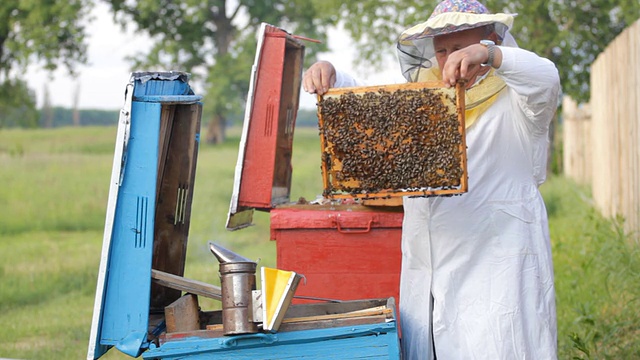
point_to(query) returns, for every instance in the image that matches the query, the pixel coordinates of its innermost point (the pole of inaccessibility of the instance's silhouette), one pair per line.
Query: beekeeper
(477, 273)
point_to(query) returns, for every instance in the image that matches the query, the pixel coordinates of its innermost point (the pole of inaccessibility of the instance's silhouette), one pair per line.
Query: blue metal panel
(157, 84)
(170, 99)
(126, 308)
(372, 341)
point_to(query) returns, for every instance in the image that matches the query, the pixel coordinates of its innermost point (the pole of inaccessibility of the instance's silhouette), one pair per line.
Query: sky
(102, 81)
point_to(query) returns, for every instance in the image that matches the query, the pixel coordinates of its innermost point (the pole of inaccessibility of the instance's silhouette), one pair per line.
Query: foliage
(62, 116)
(17, 105)
(307, 118)
(51, 33)
(22, 112)
(228, 80)
(570, 33)
(376, 24)
(215, 39)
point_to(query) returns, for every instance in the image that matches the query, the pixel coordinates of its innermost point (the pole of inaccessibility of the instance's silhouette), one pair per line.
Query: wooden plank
(288, 330)
(333, 92)
(599, 98)
(392, 202)
(331, 323)
(576, 139)
(304, 310)
(461, 88)
(634, 215)
(166, 125)
(183, 314)
(359, 313)
(174, 194)
(301, 318)
(216, 331)
(340, 207)
(187, 285)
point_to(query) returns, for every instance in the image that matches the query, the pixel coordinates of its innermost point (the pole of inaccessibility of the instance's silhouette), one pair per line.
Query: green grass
(597, 277)
(52, 207)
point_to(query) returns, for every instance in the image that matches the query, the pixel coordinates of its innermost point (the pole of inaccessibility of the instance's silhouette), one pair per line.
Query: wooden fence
(604, 151)
(576, 141)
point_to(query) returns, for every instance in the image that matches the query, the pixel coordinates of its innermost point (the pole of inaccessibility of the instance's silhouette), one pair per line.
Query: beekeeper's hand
(319, 78)
(466, 64)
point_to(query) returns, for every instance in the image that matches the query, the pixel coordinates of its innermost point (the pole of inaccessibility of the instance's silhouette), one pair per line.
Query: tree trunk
(76, 103)
(47, 109)
(216, 130)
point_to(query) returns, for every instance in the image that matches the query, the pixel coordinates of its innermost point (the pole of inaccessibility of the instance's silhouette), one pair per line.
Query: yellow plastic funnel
(278, 288)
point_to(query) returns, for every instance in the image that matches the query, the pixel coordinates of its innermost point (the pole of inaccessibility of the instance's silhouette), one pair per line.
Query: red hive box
(345, 252)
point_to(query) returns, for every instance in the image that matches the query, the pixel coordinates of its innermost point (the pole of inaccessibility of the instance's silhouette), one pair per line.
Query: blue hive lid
(123, 291)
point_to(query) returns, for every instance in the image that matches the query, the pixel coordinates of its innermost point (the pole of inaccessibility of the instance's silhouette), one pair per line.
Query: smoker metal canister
(238, 279)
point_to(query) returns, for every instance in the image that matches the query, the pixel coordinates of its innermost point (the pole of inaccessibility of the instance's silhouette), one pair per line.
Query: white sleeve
(535, 80)
(345, 80)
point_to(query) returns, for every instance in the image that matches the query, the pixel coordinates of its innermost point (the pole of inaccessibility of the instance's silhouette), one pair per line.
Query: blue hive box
(148, 210)
(361, 329)
(144, 307)
(145, 238)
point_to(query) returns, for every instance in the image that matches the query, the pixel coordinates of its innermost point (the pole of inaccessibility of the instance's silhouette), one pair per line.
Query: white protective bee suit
(477, 273)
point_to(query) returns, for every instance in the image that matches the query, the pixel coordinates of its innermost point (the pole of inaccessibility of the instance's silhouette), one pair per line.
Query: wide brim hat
(447, 23)
(415, 45)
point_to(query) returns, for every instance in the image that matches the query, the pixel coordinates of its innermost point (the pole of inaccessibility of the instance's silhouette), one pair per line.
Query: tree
(17, 105)
(215, 41)
(570, 33)
(44, 31)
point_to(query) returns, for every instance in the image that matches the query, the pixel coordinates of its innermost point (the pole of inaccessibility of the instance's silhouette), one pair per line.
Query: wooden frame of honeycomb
(383, 142)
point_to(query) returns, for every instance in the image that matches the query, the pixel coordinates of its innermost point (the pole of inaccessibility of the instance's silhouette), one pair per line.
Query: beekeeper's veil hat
(415, 46)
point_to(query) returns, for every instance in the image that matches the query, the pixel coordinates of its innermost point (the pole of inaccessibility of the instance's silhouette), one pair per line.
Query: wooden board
(178, 151)
(182, 314)
(304, 317)
(187, 285)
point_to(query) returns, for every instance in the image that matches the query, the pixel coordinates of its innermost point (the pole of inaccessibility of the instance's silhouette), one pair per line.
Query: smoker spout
(225, 256)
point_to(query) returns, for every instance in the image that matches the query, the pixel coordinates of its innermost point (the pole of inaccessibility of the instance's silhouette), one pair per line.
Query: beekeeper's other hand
(319, 77)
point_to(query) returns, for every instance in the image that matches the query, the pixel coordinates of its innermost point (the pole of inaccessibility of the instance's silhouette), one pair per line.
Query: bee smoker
(237, 280)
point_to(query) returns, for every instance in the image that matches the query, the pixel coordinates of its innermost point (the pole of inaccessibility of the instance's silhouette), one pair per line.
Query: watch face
(487, 42)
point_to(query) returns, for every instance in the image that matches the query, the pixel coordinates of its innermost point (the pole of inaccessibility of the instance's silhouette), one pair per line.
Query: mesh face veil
(415, 45)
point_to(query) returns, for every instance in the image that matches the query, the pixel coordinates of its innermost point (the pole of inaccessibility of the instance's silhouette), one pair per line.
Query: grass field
(52, 207)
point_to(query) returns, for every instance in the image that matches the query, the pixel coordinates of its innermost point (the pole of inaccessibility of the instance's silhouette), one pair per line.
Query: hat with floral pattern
(415, 46)
(458, 15)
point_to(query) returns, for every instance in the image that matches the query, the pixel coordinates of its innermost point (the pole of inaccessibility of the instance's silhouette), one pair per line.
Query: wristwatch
(491, 47)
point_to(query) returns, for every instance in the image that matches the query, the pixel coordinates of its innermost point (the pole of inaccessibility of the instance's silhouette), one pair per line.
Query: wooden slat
(359, 313)
(334, 92)
(306, 310)
(576, 141)
(332, 322)
(187, 285)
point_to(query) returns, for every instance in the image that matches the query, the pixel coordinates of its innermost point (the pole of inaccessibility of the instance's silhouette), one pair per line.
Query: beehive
(381, 142)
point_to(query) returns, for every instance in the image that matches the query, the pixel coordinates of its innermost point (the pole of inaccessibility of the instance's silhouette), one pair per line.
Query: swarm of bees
(384, 141)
